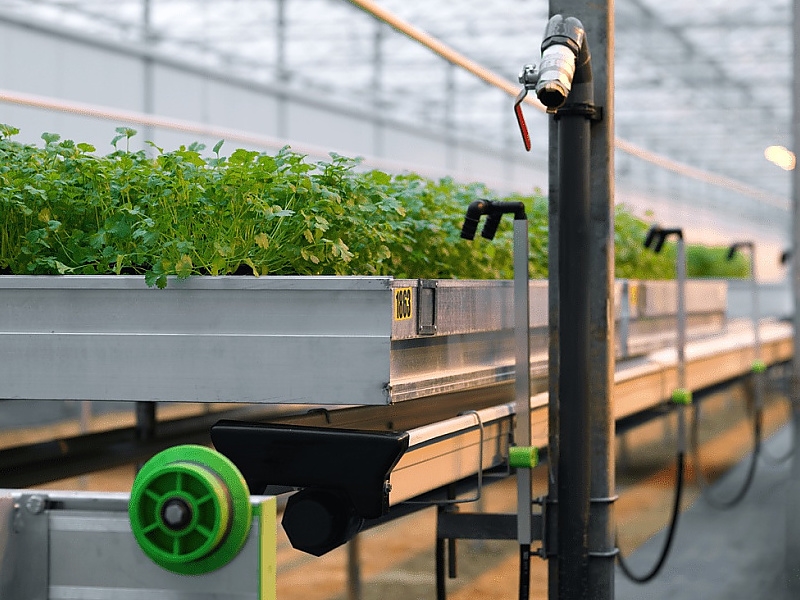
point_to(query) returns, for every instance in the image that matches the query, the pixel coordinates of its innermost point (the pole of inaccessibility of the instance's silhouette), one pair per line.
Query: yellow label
(402, 303)
(633, 294)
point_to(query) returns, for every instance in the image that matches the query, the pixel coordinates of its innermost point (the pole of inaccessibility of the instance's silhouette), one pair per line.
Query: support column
(282, 75)
(148, 83)
(793, 486)
(378, 39)
(598, 19)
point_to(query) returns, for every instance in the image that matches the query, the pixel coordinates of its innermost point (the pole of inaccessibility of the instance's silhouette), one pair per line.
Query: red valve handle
(523, 128)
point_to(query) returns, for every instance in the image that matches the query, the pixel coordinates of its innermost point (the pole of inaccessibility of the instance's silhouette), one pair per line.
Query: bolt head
(36, 504)
(176, 514)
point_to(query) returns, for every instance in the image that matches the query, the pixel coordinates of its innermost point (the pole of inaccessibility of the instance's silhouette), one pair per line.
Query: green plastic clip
(523, 457)
(682, 396)
(758, 366)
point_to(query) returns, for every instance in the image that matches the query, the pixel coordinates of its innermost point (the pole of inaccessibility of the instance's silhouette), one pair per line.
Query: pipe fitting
(564, 51)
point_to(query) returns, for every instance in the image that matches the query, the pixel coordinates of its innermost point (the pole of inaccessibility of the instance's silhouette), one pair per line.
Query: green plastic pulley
(190, 510)
(523, 457)
(682, 396)
(758, 366)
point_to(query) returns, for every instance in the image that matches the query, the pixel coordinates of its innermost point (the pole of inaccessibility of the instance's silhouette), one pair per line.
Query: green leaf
(125, 132)
(50, 138)
(262, 241)
(183, 268)
(217, 147)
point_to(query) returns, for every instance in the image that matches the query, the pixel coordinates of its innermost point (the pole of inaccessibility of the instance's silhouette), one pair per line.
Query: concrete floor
(735, 554)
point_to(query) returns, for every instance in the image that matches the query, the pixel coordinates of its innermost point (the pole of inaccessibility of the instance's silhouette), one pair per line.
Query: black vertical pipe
(574, 244)
(145, 428)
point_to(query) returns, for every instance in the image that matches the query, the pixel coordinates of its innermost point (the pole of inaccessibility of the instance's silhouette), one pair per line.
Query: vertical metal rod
(85, 425)
(756, 309)
(449, 115)
(680, 268)
(522, 393)
(354, 569)
(792, 553)
(441, 583)
(522, 383)
(145, 427)
(758, 375)
(377, 87)
(575, 243)
(280, 67)
(554, 357)
(148, 76)
(598, 18)
(624, 318)
(452, 571)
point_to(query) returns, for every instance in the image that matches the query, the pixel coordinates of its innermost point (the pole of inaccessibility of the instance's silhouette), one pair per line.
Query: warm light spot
(780, 156)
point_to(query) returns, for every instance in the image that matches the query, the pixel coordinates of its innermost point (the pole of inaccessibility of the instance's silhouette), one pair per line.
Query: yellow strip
(267, 550)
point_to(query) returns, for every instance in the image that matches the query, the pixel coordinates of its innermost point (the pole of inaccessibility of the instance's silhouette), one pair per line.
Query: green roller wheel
(190, 510)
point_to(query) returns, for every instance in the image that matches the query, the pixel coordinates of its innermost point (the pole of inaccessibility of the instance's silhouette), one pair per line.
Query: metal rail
(641, 388)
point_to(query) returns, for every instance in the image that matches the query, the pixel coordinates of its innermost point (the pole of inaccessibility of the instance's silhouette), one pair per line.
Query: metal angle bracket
(24, 541)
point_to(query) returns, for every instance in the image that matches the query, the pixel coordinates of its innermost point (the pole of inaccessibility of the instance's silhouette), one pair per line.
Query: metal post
(575, 245)
(756, 309)
(449, 116)
(377, 87)
(522, 389)
(680, 268)
(281, 71)
(145, 427)
(792, 560)
(598, 19)
(148, 83)
(353, 569)
(554, 359)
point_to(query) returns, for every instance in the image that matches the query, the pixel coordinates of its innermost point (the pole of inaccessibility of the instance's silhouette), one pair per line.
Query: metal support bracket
(24, 536)
(426, 307)
(590, 111)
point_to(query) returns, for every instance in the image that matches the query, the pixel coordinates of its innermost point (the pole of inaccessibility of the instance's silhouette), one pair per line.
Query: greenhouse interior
(259, 341)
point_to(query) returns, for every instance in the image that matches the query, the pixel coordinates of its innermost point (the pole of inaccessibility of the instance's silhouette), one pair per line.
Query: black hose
(524, 571)
(673, 525)
(776, 461)
(751, 469)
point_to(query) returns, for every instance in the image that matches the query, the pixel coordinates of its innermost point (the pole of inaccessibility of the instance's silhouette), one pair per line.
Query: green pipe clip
(758, 366)
(190, 510)
(681, 396)
(523, 457)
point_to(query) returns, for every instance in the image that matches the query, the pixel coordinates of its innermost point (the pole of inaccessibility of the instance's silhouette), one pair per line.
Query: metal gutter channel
(445, 452)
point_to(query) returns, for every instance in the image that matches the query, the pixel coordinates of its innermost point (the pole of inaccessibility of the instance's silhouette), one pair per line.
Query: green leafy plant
(67, 210)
